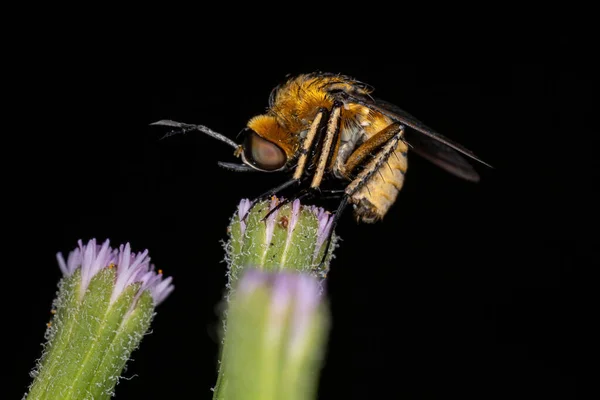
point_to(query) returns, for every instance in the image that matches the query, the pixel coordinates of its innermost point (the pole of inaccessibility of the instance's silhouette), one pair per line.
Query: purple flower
(130, 268)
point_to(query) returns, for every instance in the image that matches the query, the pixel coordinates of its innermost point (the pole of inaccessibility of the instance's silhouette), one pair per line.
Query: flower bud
(105, 304)
(292, 237)
(277, 325)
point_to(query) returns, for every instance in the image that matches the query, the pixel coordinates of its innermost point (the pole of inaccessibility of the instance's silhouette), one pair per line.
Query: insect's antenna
(185, 128)
(242, 131)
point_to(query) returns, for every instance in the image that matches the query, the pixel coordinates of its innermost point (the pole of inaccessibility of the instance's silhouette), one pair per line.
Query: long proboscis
(184, 128)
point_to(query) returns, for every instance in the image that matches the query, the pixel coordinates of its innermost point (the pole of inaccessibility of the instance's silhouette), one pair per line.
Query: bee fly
(324, 125)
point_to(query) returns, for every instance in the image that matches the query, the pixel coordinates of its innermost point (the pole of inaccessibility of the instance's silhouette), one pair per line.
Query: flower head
(130, 268)
(292, 236)
(105, 304)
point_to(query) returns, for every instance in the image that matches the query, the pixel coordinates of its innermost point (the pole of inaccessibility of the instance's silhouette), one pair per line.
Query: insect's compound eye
(263, 154)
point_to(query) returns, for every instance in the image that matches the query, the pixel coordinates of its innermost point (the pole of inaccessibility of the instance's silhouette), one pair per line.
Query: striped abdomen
(376, 196)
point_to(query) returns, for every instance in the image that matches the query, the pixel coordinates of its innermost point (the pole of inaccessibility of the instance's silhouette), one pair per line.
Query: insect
(284, 222)
(324, 126)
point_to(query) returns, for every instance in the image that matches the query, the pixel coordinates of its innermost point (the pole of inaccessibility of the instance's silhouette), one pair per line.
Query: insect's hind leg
(394, 134)
(370, 146)
(390, 137)
(331, 194)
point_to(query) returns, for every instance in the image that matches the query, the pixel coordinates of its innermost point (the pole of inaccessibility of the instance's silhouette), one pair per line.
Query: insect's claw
(169, 134)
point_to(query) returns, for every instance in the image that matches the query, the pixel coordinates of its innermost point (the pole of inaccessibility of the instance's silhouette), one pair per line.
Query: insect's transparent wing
(424, 141)
(441, 155)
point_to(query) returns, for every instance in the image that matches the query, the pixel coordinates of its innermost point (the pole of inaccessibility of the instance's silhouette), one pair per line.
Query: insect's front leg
(270, 193)
(330, 144)
(182, 128)
(321, 148)
(310, 145)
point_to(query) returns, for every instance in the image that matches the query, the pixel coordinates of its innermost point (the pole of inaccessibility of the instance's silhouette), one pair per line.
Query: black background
(468, 290)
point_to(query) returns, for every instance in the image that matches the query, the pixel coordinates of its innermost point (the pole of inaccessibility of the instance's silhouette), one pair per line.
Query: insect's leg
(307, 193)
(272, 192)
(332, 195)
(320, 146)
(309, 145)
(370, 147)
(302, 194)
(332, 191)
(372, 166)
(181, 127)
(332, 135)
(311, 142)
(392, 134)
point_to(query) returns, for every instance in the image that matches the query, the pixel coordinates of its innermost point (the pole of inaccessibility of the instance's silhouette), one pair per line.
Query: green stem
(254, 360)
(91, 339)
(59, 336)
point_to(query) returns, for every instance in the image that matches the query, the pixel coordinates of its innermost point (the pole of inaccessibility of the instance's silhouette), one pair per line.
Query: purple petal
(243, 209)
(294, 217)
(281, 297)
(270, 228)
(307, 296)
(131, 268)
(325, 223)
(162, 290)
(251, 280)
(88, 253)
(62, 264)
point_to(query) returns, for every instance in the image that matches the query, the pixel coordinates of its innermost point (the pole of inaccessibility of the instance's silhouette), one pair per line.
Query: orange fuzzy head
(267, 146)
